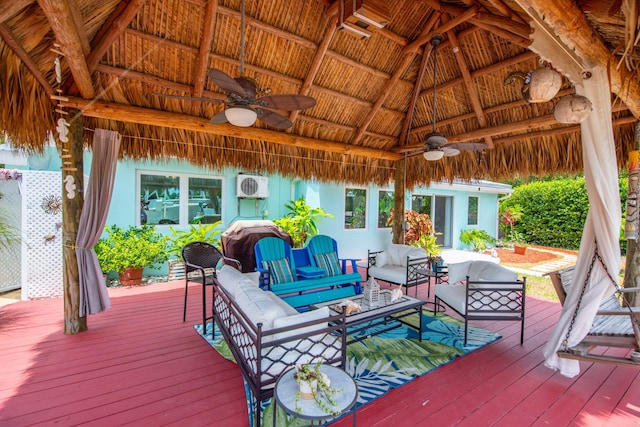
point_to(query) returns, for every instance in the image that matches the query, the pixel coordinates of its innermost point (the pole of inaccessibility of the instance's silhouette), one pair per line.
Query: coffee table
(387, 313)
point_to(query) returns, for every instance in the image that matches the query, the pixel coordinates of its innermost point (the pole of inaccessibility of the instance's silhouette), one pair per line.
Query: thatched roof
(119, 54)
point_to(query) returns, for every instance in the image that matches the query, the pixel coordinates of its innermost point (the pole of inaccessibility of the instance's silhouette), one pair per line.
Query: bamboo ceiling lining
(363, 88)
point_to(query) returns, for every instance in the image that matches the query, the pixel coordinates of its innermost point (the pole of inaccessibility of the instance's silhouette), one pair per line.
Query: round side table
(286, 387)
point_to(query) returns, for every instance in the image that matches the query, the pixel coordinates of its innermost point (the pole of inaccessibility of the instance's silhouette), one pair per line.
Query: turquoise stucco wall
(330, 196)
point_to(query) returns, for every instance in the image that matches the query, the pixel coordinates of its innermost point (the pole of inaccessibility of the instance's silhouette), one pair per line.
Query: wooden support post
(72, 201)
(632, 264)
(398, 203)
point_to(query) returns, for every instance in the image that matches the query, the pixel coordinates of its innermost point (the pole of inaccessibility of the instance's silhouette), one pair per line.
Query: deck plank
(139, 364)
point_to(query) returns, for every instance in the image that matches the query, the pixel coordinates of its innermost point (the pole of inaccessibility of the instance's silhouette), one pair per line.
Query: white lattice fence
(11, 211)
(42, 232)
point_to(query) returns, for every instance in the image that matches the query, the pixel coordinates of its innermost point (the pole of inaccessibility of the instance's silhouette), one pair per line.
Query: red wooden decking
(139, 364)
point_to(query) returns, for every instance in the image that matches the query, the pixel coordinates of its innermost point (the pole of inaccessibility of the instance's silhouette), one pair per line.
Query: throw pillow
(382, 259)
(329, 263)
(458, 272)
(279, 270)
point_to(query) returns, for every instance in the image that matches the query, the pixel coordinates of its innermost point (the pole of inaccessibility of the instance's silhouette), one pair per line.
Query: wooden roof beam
(200, 73)
(60, 18)
(10, 8)
(151, 117)
(400, 70)
(112, 28)
(501, 32)
(569, 24)
(506, 11)
(620, 121)
(14, 45)
(316, 62)
(470, 13)
(469, 85)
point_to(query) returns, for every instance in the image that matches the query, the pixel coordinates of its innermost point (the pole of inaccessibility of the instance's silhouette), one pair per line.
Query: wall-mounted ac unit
(252, 186)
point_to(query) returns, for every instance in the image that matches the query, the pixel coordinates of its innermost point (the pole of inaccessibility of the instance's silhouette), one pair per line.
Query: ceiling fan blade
(287, 102)
(475, 146)
(219, 118)
(274, 119)
(188, 98)
(450, 151)
(226, 83)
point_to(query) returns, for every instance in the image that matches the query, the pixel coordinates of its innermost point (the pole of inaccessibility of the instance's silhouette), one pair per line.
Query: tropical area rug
(386, 361)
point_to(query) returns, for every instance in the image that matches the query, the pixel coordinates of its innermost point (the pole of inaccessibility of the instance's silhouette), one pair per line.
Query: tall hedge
(554, 211)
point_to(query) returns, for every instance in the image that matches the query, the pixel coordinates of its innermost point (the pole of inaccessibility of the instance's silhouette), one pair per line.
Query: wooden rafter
(582, 40)
(9, 8)
(111, 30)
(506, 10)
(501, 32)
(15, 46)
(203, 53)
(409, 56)
(316, 62)
(253, 68)
(147, 116)
(60, 18)
(468, 14)
(470, 87)
(523, 57)
(79, 24)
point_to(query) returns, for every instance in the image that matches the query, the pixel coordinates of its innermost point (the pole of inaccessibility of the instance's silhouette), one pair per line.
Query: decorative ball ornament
(541, 85)
(572, 109)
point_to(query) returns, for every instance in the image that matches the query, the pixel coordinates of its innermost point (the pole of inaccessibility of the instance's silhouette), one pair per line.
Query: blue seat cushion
(279, 270)
(329, 263)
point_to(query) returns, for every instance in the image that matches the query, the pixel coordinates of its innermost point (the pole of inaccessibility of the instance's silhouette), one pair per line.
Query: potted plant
(313, 384)
(209, 233)
(477, 239)
(300, 222)
(127, 252)
(519, 245)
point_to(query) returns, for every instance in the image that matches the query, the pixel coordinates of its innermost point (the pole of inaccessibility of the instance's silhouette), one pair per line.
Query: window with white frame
(472, 210)
(179, 199)
(385, 207)
(355, 208)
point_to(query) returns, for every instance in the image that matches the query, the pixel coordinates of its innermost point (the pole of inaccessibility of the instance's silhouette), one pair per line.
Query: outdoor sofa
(267, 336)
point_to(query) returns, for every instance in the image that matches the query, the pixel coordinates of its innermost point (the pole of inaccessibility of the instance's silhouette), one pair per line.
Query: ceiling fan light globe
(435, 138)
(242, 117)
(433, 155)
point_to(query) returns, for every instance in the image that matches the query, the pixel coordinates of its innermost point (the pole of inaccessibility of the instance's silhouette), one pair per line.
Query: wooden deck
(139, 364)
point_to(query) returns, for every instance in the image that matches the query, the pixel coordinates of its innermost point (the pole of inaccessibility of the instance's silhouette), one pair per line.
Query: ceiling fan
(435, 143)
(242, 107)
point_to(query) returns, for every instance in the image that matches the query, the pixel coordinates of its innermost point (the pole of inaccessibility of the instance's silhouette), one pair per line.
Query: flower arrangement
(314, 384)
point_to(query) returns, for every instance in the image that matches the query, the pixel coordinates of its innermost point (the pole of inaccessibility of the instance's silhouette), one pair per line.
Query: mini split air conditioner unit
(252, 186)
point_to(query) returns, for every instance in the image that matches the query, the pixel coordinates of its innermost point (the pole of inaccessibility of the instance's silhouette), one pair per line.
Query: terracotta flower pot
(131, 276)
(520, 250)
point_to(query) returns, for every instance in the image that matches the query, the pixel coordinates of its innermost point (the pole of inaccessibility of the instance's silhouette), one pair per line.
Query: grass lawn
(541, 287)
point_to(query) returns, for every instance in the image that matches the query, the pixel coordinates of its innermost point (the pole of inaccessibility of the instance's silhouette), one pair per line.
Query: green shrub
(554, 212)
(477, 239)
(136, 247)
(300, 221)
(197, 233)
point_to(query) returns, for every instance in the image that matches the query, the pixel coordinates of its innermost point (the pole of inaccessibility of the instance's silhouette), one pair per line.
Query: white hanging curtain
(602, 225)
(93, 290)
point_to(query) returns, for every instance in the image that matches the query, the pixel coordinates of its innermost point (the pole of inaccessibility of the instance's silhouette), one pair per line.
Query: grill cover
(239, 239)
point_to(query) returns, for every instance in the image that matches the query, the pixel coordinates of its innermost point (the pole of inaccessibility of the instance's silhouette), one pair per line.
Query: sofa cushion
(389, 273)
(453, 295)
(458, 272)
(489, 271)
(259, 306)
(398, 253)
(329, 263)
(279, 270)
(231, 279)
(382, 259)
(308, 316)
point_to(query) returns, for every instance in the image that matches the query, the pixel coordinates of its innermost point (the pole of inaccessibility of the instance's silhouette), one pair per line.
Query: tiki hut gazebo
(380, 82)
